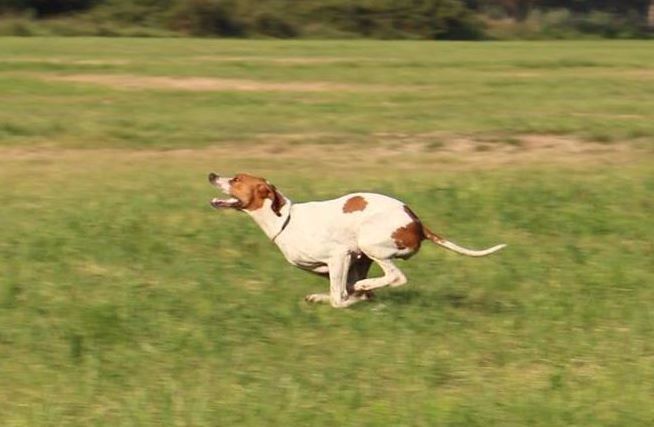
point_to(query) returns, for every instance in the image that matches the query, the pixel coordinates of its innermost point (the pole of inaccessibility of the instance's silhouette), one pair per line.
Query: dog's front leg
(339, 265)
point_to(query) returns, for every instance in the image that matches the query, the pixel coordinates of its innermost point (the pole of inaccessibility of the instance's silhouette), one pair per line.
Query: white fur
(320, 237)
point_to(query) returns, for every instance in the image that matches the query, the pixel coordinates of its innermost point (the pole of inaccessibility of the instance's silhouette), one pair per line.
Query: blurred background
(126, 300)
(382, 19)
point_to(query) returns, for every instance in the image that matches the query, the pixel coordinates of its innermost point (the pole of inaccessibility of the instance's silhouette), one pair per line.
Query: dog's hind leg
(359, 271)
(393, 276)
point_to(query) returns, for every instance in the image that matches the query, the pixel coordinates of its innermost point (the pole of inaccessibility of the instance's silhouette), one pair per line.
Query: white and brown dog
(338, 238)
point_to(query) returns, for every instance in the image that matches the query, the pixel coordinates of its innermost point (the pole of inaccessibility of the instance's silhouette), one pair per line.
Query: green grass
(126, 300)
(595, 90)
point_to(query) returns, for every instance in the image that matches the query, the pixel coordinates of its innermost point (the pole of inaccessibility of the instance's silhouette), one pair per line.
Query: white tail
(463, 251)
(456, 248)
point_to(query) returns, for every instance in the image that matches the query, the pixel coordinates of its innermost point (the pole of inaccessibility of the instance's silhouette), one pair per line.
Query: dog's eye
(235, 179)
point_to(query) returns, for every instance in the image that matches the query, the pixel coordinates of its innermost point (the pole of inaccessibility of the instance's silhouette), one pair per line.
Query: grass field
(126, 300)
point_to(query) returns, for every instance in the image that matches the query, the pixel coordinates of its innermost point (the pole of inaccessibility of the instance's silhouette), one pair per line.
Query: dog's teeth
(224, 202)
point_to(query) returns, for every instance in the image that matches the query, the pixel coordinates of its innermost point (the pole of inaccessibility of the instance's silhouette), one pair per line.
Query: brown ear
(277, 200)
(268, 191)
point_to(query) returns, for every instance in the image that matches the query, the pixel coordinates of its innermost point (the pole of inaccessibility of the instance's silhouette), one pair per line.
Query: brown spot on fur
(252, 191)
(409, 237)
(353, 204)
(427, 233)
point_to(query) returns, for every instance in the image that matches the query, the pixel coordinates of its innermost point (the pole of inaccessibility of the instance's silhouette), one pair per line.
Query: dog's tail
(456, 248)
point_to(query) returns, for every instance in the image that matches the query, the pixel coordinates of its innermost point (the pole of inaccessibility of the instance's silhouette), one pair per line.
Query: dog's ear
(268, 191)
(277, 200)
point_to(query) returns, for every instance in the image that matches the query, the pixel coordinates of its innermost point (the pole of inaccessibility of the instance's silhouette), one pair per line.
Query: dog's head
(246, 192)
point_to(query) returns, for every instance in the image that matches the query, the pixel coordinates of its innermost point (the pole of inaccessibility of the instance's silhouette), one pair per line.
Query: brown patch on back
(353, 204)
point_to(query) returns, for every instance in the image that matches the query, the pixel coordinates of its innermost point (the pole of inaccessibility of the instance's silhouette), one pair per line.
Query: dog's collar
(288, 219)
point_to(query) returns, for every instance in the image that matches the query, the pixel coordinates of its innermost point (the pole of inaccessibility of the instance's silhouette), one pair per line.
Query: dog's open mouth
(226, 203)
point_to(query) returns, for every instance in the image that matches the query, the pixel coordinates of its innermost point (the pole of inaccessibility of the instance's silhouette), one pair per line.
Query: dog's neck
(267, 219)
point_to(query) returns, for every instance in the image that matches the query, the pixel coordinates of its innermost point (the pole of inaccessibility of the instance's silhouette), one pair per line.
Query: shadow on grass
(424, 299)
(402, 297)
(449, 299)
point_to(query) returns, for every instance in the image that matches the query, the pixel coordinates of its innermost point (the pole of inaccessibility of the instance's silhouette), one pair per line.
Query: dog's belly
(318, 269)
(320, 266)
(323, 268)
(309, 265)
(311, 254)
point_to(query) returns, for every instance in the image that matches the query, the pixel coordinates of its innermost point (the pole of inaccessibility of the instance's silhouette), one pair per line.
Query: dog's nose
(213, 177)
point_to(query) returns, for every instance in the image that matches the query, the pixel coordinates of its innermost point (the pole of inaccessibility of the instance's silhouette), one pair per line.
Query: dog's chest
(314, 235)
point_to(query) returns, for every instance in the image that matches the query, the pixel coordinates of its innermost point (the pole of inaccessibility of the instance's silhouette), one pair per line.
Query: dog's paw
(362, 295)
(360, 288)
(317, 298)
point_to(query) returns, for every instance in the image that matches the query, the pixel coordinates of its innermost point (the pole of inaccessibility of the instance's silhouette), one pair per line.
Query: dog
(339, 238)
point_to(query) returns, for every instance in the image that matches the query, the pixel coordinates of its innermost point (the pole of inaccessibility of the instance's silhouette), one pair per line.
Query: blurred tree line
(520, 9)
(424, 19)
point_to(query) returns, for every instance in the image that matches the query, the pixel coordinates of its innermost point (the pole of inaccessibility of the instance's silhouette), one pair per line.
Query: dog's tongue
(225, 203)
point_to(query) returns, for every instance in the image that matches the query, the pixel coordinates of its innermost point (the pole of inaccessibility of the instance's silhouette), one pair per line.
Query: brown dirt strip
(398, 152)
(200, 84)
(299, 60)
(65, 61)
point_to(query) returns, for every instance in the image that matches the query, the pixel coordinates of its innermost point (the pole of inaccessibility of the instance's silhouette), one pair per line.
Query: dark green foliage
(520, 9)
(47, 7)
(208, 17)
(270, 24)
(427, 19)
(385, 19)
(430, 19)
(617, 6)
